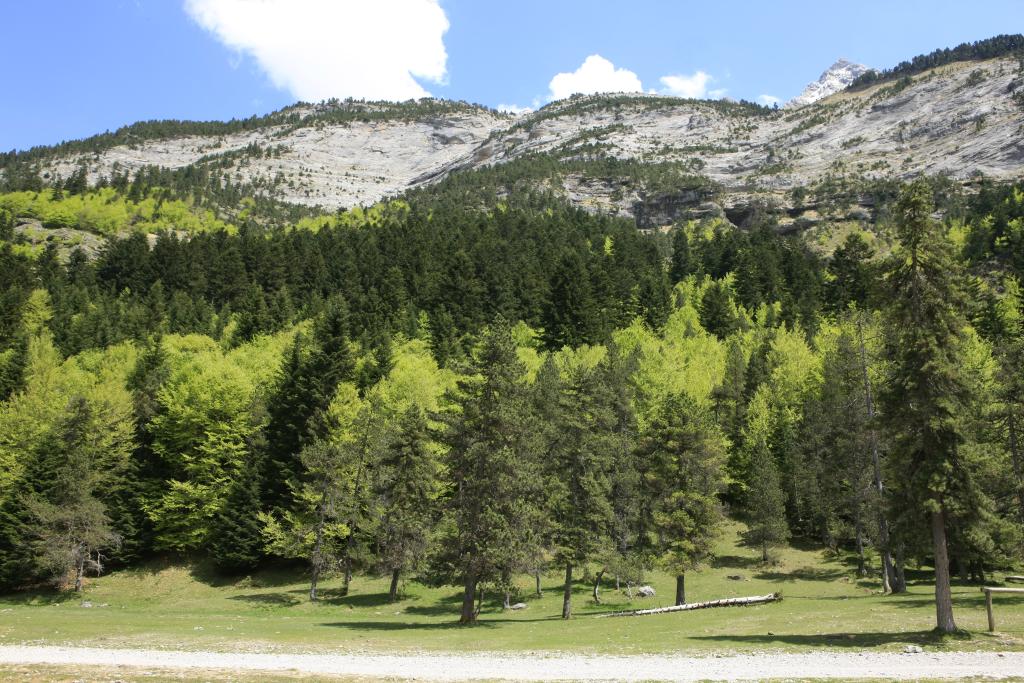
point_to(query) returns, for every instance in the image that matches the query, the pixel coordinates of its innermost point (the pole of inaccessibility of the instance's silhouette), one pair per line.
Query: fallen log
(725, 602)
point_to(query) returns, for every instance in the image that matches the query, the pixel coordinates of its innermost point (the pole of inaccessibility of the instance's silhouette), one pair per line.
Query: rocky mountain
(964, 119)
(837, 77)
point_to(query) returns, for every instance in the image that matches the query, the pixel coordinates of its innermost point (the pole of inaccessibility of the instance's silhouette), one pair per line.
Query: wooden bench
(988, 601)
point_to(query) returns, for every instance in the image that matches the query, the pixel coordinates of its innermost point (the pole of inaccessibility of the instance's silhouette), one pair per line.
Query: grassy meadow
(824, 606)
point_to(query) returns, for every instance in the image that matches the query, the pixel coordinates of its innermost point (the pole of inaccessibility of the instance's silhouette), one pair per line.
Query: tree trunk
(764, 553)
(899, 584)
(943, 596)
(567, 592)
(597, 587)
(316, 559)
(347, 578)
(1016, 461)
(393, 590)
(79, 571)
(680, 589)
(618, 586)
(961, 569)
(536, 576)
(889, 580)
(862, 569)
(468, 599)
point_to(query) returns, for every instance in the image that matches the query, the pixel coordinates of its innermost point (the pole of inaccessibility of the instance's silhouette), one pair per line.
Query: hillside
(963, 119)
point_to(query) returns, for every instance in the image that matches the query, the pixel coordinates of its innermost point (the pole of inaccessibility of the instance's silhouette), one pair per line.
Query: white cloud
(318, 49)
(514, 109)
(768, 100)
(717, 93)
(693, 87)
(595, 75)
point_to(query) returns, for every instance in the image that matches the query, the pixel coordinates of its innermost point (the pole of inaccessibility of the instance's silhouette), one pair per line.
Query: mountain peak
(832, 80)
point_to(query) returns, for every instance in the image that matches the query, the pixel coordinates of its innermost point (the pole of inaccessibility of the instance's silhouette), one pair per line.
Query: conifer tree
(765, 508)
(578, 463)
(70, 526)
(570, 315)
(406, 488)
(309, 379)
(729, 396)
(926, 398)
(236, 538)
(683, 452)
(491, 446)
(717, 313)
(682, 260)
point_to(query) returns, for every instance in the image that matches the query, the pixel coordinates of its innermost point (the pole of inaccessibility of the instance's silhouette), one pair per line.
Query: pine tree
(308, 380)
(570, 316)
(682, 260)
(406, 488)
(490, 461)
(729, 396)
(717, 312)
(578, 463)
(683, 455)
(236, 538)
(852, 274)
(765, 508)
(70, 526)
(927, 396)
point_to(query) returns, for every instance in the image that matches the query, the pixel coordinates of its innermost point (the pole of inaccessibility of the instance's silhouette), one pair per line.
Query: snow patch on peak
(837, 77)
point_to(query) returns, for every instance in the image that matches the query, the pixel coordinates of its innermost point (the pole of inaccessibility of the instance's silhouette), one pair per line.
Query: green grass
(825, 606)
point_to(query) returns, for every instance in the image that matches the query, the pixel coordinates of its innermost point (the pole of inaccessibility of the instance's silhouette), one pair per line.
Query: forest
(466, 392)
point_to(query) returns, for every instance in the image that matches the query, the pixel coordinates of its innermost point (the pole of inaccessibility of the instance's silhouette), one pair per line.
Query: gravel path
(538, 667)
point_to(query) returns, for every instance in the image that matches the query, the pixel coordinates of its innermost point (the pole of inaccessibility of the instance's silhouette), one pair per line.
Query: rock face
(331, 165)
(963, 119)
(837, 77)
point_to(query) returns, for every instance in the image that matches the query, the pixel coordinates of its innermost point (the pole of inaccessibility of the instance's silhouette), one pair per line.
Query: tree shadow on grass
(41, 596)
(453, 624)
(961, 600)
(851, 640)
(802, 574)
(269, 599)
(336, 598)
(735, 562)
(275, 575)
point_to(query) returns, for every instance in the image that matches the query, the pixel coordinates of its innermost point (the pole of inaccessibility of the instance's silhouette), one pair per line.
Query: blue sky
(78, 67)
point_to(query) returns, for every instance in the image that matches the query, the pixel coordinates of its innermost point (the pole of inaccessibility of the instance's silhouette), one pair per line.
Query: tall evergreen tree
(308, 380)
(571, 314)
(578, 463)
(927, 395)
(682, 260)
(491, 463)
(70, 526)
(684, 454)
(717, 312)
(765, 508)
(236, 538)
(406, 488)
